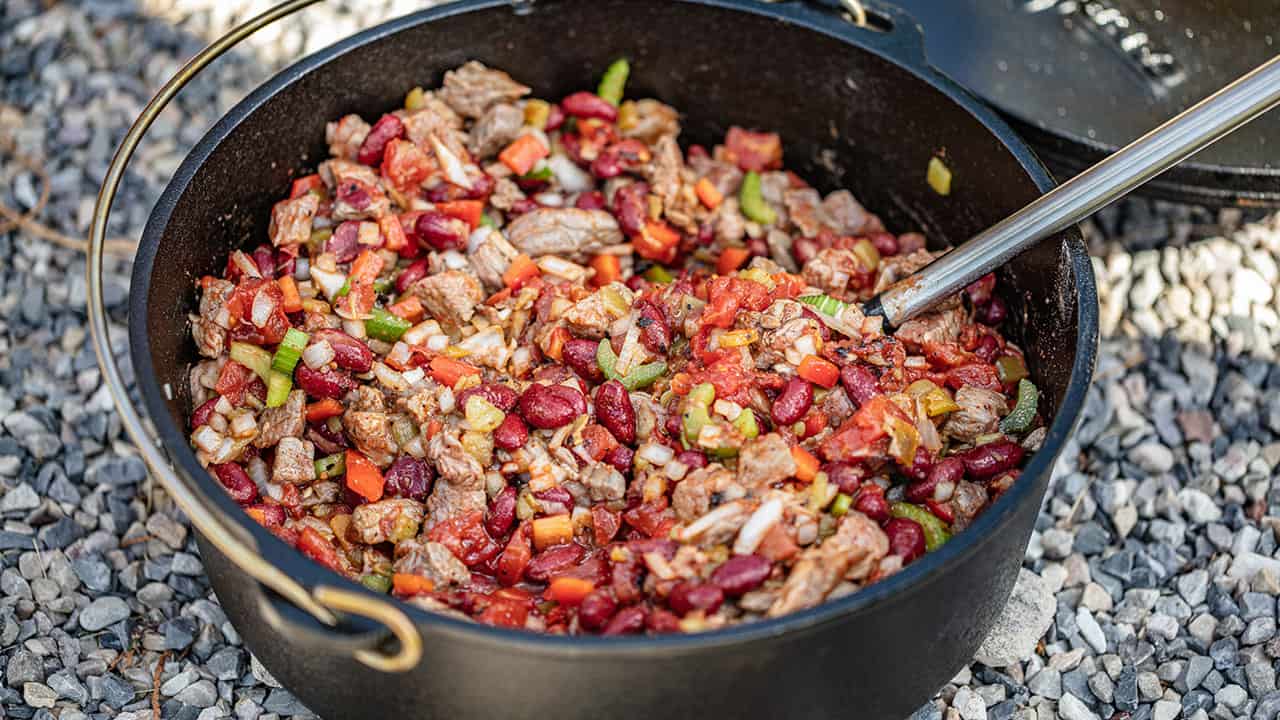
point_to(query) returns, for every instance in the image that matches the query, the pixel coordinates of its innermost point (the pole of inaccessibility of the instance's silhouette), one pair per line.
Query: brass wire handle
(324, 601)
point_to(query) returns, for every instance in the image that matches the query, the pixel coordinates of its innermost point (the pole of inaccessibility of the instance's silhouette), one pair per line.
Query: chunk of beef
(295, 461)
(391, 520)
(432, 561)
(979, 414)
(588, 317)
(931, 328)
(705, 489)
(568, 232)
(287, 420)
(210, 327)
(369, 426)
(357, 193)
(450, 297)
(719, 525)
(491, 258)
(498, 128)
(473, 88)
(831, 269)
(345, 136)
(604, 482)
(421, 404)
(651, 121)
(842, 212)
(454, 463)
(897, 267)
(763, 461)
(730, 223)
(967, 501)
(804, 208)
(435, 119)
(291, 220)
(852, 552)
(505, 194)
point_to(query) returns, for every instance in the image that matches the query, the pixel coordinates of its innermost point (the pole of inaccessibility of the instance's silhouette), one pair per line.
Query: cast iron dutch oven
(858, 108)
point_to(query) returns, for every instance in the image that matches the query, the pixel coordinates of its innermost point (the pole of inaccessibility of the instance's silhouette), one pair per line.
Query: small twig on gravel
(155, 685)
(135, 540)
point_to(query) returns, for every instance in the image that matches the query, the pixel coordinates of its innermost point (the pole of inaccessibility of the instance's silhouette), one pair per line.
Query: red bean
(860, 383)
(410, 477)
(906, 538)
(441, 232)
(940, 483)
(621, 458)
(323, 384)
(481, 187)
(498, 395)
(654, 333)
(354, 193)
(551, 406)
(662, 621)
(411, 275)
(757, 247)
(628, 621)
(987, 461)
(873, 505)
(348, 353)
(921, 464)
(623, 156)
(794, 401)
(591, 200)
(614, 411)
(203, 413)
(555, 118)
(265, 259)
(804, 249)
(694, 459)
(689, 596)
(387, 128)
(553, 560)
(910, 242)
(993, 313)
(512, 434)
(237, 482)
(554, 501)
(596, 609)
(502, 513)
(987, 348)
(589, 105)
(980, 290)
(846, 476)
(344, 242)
(580, 356)
(886, 243)
(631, 207)
(286, 261)
(741, 574)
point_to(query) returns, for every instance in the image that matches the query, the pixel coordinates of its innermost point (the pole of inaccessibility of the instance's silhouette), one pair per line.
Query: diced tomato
(757, 151)
(504, 613)
(466, 538)
(520, 271)
(731, 258)
(409, 309)
(819, 371)
(305, 184)
(604, 524)
(597, 441)
(727, 295)
(405, 166)
(319, 548)
(240, 308)
(654, 519)
(523, 154)
(468, 211)
(856, 436)
(515, 557)
(980, 375)
(658, 242)
(233, 380)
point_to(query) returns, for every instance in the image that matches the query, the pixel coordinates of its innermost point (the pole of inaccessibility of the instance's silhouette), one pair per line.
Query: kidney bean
(411, 275)
(498, 395)
(237, 482)
(512, 434)
(481, 187)
(689, 596)
(522, 206)
(921, 464)
(596, 609)
(203, 413)
(589, 105)
(502, 513)
(654, 333)
(631, 207)
(994, 312)
(845, 476)
(940, 477)
(348, 352)
(580, 356)
(873, 505)
(741, 574)
(662, 621)
(614, 410)
(906, 538)
(979, 291)
(354, 193)
(757, 247)
(987, 461)
(553, 560)
(886, 243)
(674, 425)
(554, 501)
(793, 402)
(665, 548)
(344, 242)
(860, 383)
(803, 250)
(987, 348)
(591, 200)
(387, 128)
(623, 156)
(441, 232)
(628, 621)
(621, 458)
(410, 477)
(694, 459)
(265, 258)
(323, 384)
(285, 261)
(551, 406)
(326, 441)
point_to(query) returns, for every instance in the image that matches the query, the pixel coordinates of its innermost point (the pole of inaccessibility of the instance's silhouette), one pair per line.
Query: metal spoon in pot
(1081, 196)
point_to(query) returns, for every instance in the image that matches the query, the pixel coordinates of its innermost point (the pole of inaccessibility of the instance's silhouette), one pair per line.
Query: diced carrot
(289, 289)
(322, 410)
(521, 270)
(498, 297)
(523, 154)
(731, 258)
(708, 193)
(819, 371)
(569, 591)
(608, 269)
(658, 241)
(555, 343)
(406, 584)
(410, 308)
(363, 477)
(467, 211)
(806, 464)
(552, 530)
(433, 427)
(393, 237)
(448, 371)
(366, 267)
(305, 184)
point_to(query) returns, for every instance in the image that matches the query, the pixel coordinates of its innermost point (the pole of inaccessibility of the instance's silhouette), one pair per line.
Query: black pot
(857, 108)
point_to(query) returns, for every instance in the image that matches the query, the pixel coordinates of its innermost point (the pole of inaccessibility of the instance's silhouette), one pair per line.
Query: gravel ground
(1150, 586)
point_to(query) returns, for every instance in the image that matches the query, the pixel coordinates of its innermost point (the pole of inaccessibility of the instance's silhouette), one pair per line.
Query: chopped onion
(659, 566)
(559, 267)
(414, 448)
(246, 264)
(354, 328)
(223, 406)
(454, 260)
(419, 333)
(302, 269)
(656, 454)
(572, 178)
(206, 438)
(258, 473)
(225, 452)
(243, 425)
(263, 306)
(413, 376)
(399, 354)
(549, 199)
(446, 400)
(328, 282)
(489, 347)
(218, 422)
(453, 167)
(318, 354)
(724, 513)
(437, 343)
(390, 378)
(761, 521)
(477, 238)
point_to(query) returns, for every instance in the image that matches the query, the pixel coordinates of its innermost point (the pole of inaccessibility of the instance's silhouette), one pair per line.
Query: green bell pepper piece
(1024, 410)
(935, 531)
(751, 198)
(614, 82)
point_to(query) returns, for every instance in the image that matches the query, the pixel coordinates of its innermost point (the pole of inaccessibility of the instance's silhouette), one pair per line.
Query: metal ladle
(1081, 196)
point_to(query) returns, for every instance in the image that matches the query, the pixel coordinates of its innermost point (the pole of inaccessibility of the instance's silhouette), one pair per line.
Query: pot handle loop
(324, 602)
(882, 25)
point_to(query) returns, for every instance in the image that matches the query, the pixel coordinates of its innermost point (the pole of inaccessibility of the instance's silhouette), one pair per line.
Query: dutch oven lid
(1083, 77)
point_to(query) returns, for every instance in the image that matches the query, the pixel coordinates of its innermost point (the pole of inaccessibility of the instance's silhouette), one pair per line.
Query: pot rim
(911, 579)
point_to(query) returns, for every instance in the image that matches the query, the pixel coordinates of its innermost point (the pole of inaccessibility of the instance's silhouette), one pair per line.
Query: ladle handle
(1084, 194)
